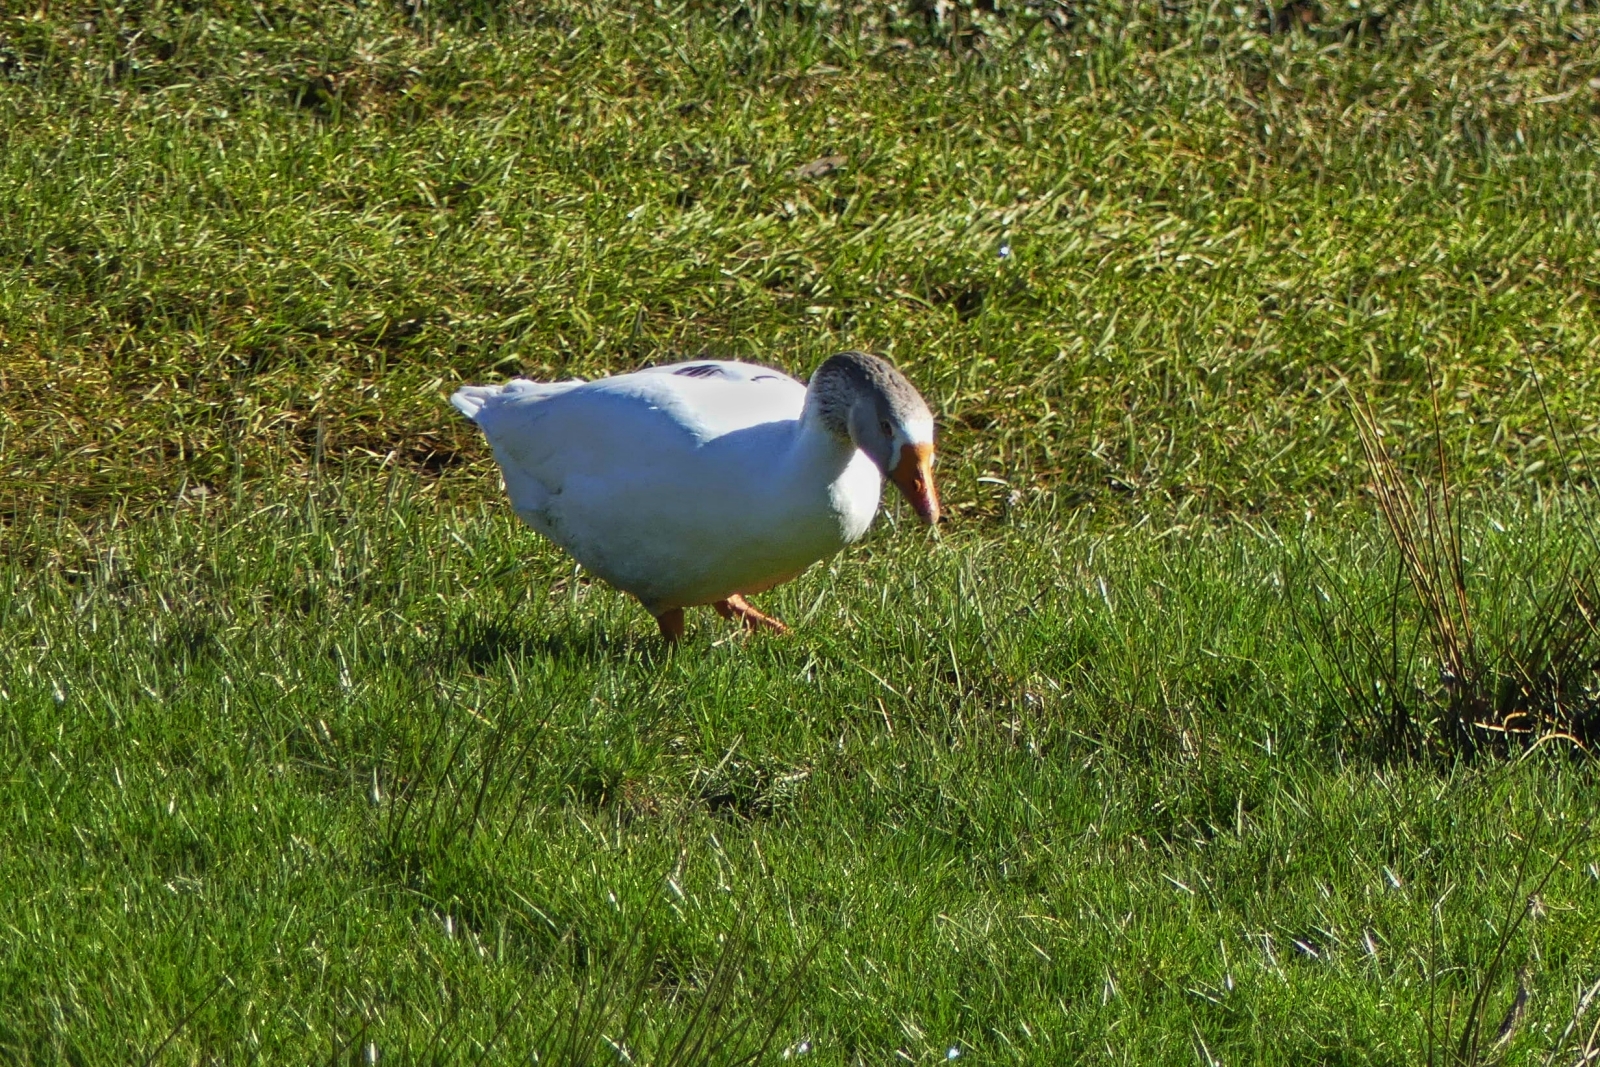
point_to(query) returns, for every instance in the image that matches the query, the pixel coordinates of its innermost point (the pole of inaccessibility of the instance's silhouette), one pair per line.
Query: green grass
(237, 236)
(1035, 792)
(309, 752)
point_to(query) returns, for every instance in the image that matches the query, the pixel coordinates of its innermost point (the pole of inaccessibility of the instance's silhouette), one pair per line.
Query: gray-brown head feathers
(862, 399)
(852, 385)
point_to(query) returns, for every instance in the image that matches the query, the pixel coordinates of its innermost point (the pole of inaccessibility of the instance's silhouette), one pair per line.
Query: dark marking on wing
(702, 370)
(766, 378)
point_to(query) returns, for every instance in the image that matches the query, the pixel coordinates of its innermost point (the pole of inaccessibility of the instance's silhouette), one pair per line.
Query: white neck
(822, 464)
(817, 450)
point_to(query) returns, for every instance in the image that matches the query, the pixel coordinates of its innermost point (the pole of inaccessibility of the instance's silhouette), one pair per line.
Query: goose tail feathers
(470, 400)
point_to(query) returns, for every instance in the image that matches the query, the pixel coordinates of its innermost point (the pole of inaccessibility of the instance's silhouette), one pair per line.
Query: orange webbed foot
(736, 607)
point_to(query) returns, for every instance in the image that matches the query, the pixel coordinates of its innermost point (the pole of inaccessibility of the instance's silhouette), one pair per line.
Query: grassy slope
(203, 279)
(297, 769)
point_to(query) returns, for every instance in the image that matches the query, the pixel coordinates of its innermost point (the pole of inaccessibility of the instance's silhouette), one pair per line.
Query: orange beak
(914, 475)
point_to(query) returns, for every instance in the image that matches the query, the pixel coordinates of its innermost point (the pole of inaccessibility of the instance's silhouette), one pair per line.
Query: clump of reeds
(1490, 689)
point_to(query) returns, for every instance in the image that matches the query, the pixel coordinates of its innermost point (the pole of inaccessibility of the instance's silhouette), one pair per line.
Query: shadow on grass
(478, 642)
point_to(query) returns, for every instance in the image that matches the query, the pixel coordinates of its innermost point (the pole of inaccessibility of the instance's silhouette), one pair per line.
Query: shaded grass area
(1129, 250)
(359, 769)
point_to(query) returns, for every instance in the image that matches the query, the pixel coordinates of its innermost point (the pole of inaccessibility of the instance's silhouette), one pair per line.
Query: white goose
(703, 482)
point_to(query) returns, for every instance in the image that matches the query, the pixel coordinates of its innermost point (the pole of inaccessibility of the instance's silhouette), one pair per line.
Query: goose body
(694, 483)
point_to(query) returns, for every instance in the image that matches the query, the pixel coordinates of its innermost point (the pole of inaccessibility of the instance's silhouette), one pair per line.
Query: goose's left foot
(736, 607)
(671, 623)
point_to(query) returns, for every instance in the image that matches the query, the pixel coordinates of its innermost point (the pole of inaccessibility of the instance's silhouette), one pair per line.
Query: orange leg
(671, 623)
(736, 607)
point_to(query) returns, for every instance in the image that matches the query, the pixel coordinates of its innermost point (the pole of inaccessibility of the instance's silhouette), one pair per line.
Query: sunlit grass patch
(1131, 254)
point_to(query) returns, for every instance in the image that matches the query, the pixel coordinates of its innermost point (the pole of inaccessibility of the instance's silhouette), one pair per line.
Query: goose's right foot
(736, 607)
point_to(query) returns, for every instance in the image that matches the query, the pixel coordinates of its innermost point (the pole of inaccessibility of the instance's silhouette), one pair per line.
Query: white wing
(722, 369)
(644, 477)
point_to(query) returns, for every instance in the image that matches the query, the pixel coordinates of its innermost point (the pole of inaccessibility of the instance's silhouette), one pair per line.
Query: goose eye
(888, 431)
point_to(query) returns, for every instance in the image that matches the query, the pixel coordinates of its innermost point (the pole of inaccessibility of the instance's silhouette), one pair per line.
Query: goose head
(863, 399)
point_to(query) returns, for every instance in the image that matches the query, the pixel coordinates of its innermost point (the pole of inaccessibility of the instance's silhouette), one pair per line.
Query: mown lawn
(311, 753)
